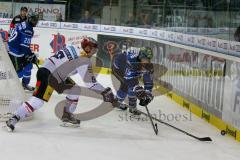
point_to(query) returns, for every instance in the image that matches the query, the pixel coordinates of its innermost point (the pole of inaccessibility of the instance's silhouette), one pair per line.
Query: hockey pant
(42, 93)
(126, 87)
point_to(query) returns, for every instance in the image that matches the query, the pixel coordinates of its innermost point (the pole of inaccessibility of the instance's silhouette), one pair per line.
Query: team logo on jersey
(58, 42)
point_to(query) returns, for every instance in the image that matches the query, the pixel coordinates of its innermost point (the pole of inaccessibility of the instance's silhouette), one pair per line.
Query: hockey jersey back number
(66, 54)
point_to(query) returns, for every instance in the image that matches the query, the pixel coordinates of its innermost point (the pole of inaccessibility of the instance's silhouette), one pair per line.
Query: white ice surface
(112, 138)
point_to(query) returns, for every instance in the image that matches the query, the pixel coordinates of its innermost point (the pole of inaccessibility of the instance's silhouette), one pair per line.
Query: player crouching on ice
(43, 90)
(128, 67)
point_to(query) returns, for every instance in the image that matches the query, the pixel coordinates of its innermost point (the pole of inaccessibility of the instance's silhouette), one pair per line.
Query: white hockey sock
(71, 104)
(29, 106)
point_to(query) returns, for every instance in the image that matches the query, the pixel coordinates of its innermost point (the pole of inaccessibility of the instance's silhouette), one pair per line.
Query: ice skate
(134, 111)
(27, 87)
(120, 105)
(10, 124)
(68, 120)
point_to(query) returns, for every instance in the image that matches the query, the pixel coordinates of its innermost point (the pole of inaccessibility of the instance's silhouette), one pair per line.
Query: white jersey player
(44, 90)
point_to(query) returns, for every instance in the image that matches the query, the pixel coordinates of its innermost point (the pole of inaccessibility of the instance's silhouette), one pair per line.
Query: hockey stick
(206, 139)
(36, 65)
(155, 127)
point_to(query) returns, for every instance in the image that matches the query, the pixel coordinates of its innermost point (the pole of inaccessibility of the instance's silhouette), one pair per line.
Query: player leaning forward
(43, 90)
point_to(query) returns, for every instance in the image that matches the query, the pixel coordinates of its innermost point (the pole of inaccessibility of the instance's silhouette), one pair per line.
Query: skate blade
(70, 125)
(6, 128)
(120, 109)
(28, 91)
(134, 116)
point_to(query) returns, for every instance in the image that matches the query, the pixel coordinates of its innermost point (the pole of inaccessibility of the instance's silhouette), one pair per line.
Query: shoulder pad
(17, 19)
(24, 25)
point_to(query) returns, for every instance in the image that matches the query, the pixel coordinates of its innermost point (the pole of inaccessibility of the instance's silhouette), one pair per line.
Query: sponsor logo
(57, 43)
(170, 36)
(191, 39)
(127, 30)
(180, 37)
(113, 29)
(90, 27)
(67, 25)
(44, 24)
(234, 47)
(212, 43)
(223, 45)
(53, 25)
(162, 34)
(74, 25)
(50, 10)
(70, 25)
(202, 41)
(154, 33)
(143, 32)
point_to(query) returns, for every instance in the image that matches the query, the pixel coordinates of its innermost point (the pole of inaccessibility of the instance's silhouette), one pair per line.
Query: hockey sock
(28, 107)
(71, 104)
(27, 74)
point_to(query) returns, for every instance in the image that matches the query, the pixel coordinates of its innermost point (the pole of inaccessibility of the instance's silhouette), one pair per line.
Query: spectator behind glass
(237, 34)
(87, 18)
(144, 21)
(131, 20)
(59, 17)
(40, 16)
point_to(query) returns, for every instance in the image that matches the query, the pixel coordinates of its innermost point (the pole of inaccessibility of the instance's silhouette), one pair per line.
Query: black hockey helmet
(32, 18)
(145, 53)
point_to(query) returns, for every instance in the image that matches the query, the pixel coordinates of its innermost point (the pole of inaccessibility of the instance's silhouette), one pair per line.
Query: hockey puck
(223, 132)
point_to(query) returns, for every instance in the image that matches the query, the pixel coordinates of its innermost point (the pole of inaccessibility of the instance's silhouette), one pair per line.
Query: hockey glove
(32, 58)
(149, 67)
(145, 97)
(108, 96)
(139, 92)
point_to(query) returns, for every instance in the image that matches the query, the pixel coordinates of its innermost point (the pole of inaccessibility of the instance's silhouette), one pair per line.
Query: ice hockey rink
(115, 136)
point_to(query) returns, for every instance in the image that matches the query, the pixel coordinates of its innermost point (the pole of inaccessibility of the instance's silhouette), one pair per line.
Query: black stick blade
(156, 129)
(205, 139)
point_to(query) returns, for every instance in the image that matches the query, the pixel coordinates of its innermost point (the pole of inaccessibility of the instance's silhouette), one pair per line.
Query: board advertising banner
(197, 77)
(49, 11)
(5, 10)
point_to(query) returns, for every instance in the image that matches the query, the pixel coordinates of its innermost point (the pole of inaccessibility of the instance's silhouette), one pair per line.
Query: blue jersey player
(128, 67)
(19, 49)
